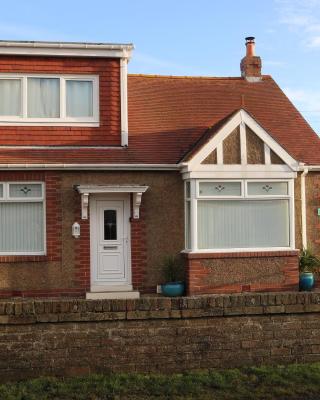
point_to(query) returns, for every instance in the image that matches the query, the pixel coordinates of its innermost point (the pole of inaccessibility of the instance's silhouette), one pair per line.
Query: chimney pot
(250, 45)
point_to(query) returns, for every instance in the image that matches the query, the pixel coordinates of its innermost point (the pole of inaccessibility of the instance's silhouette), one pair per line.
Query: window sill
(95, 124)
(242, 254)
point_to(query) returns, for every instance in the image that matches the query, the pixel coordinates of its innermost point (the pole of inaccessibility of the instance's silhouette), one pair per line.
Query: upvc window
(49, 99)
(22, 218)
(238, 215)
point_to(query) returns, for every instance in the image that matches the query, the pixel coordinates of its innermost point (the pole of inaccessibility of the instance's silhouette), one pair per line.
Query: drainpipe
(304, 208)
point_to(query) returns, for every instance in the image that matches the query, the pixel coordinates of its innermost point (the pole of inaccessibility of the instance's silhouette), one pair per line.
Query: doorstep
(113, 295)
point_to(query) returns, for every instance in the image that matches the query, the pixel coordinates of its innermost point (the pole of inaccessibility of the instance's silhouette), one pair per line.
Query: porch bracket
(136, 204)
(136, 190)
(84, 205)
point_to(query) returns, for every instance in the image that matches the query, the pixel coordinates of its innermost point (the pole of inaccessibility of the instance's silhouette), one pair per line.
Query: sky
(188, 37)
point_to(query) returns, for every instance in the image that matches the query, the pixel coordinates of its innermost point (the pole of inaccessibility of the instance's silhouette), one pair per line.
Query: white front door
(110, 244)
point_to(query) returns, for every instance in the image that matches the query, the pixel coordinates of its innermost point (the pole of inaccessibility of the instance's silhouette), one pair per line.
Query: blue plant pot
(172, 289)
(306, 281)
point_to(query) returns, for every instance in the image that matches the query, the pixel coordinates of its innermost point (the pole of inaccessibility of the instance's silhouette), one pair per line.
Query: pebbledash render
(103, 174)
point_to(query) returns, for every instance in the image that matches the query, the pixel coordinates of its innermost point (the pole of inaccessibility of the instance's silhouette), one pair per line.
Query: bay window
(22, 218)
(49, 99)
(238, 215)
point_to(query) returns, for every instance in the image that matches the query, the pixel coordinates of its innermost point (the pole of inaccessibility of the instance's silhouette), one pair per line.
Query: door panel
(110, 243)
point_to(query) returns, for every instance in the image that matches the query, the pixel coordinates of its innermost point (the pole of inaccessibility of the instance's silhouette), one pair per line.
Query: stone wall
(76, 337)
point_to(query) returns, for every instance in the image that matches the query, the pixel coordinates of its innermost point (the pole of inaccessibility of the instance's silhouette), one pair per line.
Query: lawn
(297, 381)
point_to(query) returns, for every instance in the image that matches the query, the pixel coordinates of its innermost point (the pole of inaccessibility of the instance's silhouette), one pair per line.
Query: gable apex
(214, 140)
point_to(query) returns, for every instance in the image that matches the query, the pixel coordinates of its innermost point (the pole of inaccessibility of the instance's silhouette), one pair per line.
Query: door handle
(110, 247)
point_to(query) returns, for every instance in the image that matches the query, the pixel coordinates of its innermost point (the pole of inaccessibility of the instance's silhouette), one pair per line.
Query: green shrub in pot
(173, 269)
(309, 266)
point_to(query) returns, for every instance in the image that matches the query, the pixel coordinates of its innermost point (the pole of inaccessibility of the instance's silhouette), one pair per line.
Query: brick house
(104, 173)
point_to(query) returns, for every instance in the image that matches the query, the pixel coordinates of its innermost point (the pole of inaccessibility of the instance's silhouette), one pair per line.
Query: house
(104, 173)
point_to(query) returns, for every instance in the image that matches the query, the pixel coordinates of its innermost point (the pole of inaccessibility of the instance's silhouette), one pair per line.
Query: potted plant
(309, 265)
(174, 276)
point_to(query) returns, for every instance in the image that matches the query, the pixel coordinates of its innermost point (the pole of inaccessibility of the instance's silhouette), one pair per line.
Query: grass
(296, 381)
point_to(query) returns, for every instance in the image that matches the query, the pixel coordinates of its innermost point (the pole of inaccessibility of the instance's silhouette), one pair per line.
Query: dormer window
(49, 100)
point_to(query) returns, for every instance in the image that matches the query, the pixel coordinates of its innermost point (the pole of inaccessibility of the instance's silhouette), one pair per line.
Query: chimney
(251, 64)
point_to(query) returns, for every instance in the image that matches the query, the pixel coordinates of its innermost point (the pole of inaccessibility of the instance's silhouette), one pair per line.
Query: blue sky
(189, 37)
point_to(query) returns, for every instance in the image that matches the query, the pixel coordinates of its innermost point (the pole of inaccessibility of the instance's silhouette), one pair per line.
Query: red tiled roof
(168, 115)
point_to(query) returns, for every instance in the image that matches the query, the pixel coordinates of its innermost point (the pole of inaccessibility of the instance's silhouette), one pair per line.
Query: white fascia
(315, 168)
(66, 49)
(91, 167)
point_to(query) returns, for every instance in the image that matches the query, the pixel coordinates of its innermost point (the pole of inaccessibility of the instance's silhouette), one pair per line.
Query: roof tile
(169, 115)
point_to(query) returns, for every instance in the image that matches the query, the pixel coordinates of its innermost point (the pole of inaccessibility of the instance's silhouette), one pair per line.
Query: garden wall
(76, 337)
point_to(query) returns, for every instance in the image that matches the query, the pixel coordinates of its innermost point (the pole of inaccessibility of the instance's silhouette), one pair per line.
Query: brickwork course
(156, 334)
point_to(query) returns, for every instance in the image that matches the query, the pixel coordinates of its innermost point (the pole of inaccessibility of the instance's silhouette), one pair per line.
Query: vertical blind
(79, 98)
(22, 227)
(10, 97)
(243, 224)
(44, 97)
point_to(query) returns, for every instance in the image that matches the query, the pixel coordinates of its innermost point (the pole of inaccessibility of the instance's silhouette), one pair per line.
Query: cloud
(150, 61)
(26, 32)
(295, 20)
(308, 103)
(274, 63)
(306, 100)
(314, 42)
(303, 17)
(145, 63)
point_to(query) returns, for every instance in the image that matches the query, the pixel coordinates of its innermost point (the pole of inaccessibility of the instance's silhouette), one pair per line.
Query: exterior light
(76, 230)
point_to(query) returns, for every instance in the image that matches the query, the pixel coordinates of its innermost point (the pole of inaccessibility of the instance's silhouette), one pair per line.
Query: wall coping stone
(27, 311)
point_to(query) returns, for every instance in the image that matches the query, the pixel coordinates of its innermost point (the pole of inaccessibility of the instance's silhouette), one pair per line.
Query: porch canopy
(86, 190)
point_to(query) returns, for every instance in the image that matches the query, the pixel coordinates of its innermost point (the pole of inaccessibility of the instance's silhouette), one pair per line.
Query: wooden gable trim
(268, 140)
(242, 119)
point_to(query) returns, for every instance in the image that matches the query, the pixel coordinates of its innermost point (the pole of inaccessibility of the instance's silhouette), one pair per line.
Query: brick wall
(82, 249)
(241, 272)
(77, 337)
(139, 251)
(65, 271)
(313, 203)
(108, 133)
(53, 234)
(250, 66)
(53, 215)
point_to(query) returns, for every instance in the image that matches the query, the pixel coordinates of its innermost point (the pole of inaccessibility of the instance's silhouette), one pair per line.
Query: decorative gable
(240, 148)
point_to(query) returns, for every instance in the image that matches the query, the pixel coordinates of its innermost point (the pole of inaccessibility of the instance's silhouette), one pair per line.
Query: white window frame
(259, 196)
(241, 181)
(7, 199)
(195, 198)
(63, 120)
(187, 200)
